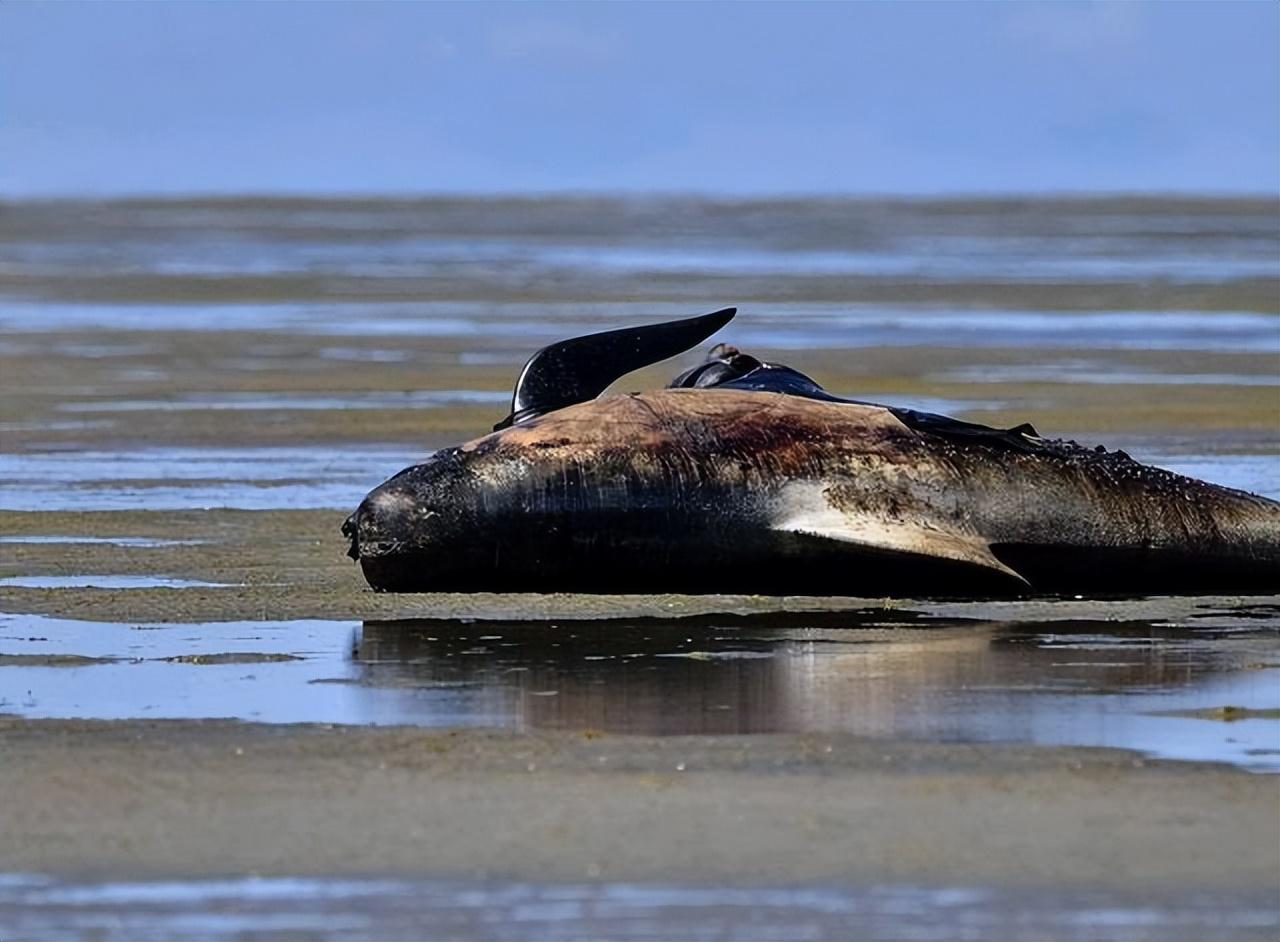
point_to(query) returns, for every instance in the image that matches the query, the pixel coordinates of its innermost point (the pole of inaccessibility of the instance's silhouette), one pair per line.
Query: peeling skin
(720, 490)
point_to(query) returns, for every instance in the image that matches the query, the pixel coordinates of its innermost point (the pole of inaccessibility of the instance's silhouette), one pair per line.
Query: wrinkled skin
(724, 491)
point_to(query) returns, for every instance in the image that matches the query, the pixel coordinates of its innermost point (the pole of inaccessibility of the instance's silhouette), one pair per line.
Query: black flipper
(727, 368)
(580, 369)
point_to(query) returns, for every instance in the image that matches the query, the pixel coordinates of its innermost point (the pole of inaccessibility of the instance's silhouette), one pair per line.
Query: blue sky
(113, 98)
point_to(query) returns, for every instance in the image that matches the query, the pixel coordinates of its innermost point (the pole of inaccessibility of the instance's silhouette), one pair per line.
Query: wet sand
(172, 480)
(148, 799)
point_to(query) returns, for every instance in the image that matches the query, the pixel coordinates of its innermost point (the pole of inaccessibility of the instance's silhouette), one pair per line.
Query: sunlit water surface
(878, 673)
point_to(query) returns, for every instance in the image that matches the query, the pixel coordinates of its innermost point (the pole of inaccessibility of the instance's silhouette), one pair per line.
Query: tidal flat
(211, 721)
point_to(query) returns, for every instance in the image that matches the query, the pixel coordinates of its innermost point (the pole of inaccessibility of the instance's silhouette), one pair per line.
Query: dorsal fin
(579, 369)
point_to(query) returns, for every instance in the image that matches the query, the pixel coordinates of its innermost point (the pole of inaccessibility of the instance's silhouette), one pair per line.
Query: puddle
(947, 406)
(989, 682)
(362, 355)
(285, 402)
(107, 582)
(1105, 330)
(951, 258)
(894, 676)
(1257, 474)
(148, 542)
(40, 908)
(73, 425)
(175, 478)
(216, 669)
(1101, 374)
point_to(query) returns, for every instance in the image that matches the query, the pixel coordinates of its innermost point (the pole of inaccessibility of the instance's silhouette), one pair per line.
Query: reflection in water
(703, 675)
(873, 673)
(936, 675)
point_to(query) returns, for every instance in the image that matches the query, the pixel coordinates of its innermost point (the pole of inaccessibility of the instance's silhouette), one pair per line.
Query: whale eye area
(394, 501)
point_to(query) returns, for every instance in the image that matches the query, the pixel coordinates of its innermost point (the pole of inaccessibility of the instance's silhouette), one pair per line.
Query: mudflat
(195, 682)
(154, 798)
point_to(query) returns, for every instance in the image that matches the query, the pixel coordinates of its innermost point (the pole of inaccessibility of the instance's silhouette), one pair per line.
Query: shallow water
(141, 541)
(172, 478)
(1171, 238)
(775, 325)
(892, 675)
(106, 581)
(1086, 371)
(1258, 474)
(291, 402)
(39, 908)
(925, 256)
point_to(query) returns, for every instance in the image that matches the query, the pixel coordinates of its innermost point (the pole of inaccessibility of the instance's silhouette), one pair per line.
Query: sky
(718, 98)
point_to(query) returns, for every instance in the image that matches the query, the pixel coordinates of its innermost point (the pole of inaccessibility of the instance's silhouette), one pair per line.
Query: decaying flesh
(710, 491)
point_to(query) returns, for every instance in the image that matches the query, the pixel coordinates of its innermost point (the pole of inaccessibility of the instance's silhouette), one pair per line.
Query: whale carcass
(747, 477)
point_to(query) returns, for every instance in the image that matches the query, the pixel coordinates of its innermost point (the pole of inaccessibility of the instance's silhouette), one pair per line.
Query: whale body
(741, 489)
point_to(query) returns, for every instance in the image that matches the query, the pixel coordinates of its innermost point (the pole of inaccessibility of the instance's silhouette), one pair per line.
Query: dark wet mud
(194, 395)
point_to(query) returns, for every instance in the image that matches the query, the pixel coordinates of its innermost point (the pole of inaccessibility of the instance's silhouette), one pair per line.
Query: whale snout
(392, 537)
(411, 529)
(351, 532)
(391, 519)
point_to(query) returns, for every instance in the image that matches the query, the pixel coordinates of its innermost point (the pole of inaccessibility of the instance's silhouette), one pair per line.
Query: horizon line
(390, 195)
